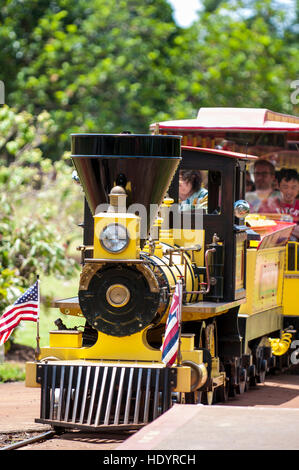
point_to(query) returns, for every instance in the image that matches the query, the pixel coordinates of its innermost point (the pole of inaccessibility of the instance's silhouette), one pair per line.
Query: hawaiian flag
(170, 344)
(25, 307)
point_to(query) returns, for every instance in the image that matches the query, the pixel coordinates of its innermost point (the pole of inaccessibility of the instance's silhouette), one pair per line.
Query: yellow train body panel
(65, 339)
(264, 279)
(291, 280)
(132, 224)
(290, 294)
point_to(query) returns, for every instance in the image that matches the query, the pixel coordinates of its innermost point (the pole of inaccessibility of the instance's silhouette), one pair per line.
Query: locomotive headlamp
(114, 238)
(241, 209)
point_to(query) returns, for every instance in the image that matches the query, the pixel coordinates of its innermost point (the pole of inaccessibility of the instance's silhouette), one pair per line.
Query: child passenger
(287, 203)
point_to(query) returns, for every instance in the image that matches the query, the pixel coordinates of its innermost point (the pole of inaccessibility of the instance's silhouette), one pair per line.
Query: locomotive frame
(112, 374)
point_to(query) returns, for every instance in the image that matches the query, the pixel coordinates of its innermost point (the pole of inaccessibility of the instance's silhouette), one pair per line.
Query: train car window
(252, 139)
(200, 190)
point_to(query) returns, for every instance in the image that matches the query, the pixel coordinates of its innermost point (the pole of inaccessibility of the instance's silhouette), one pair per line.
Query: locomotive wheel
(242, 385)
(193, 398)
(262, 372)
(202, 335)
(232, 392)
(208, 397)
(221, 393)
(236, 377)
(210, 339)
(252, 376)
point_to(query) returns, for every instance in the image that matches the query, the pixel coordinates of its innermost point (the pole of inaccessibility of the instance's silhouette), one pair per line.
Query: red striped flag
(25, 307)
(170, 344)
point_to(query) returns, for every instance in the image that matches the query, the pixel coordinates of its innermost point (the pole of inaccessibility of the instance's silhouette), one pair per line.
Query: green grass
(11, 372)
(50, 288)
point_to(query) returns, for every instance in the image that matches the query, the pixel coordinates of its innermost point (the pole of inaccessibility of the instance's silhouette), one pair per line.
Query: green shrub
(11, 372)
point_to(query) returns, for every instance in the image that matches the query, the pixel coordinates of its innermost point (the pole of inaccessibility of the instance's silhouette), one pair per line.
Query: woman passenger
(191, 194)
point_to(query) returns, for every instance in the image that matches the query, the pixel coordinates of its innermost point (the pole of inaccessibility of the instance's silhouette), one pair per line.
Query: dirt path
(281, 391)
(19, 406)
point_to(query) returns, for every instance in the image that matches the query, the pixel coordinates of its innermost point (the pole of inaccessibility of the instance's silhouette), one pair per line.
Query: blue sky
(185, 11)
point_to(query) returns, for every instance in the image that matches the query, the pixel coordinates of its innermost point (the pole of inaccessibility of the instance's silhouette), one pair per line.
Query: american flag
(25, 307)
(170, 344)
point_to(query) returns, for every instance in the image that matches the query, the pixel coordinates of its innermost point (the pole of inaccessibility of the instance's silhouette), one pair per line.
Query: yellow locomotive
(138, 243)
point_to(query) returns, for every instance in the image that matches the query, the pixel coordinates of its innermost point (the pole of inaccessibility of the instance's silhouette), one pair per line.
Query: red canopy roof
(234, 119)
(225, 153)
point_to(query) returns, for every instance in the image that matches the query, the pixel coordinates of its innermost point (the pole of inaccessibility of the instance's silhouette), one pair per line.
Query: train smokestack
(143, 165)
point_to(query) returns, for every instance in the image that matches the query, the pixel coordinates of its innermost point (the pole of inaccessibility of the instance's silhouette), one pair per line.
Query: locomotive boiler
(137, 245)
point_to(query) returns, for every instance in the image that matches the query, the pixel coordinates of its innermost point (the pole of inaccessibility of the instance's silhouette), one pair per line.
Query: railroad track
(60, 440)
(278, 391)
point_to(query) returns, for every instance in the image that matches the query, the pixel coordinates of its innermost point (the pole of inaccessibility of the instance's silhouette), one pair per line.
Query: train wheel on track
(221, 394)
(242, 384)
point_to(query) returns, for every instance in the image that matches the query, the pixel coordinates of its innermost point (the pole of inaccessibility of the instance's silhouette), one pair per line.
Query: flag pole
(179, 355)
(37, 350)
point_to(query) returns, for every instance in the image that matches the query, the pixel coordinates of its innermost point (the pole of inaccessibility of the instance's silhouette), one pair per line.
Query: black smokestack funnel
(143, 164)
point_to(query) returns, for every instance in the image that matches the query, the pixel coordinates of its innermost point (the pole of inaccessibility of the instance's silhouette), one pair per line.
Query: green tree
(39, 205)
(243, 61)
(114, 65)
(94, 65)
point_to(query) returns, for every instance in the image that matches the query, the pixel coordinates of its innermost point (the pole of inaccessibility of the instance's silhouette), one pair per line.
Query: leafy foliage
(245, 61)
(35, 195)
(98, 66)
(109, 66)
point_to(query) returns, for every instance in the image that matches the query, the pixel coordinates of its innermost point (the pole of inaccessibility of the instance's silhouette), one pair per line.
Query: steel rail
(25, 442)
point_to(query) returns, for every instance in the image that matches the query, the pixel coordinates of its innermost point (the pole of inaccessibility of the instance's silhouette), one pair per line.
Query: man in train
(264, 177)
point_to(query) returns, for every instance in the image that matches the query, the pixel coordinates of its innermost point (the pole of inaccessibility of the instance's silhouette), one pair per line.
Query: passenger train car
(239, 315)
(260, 132)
